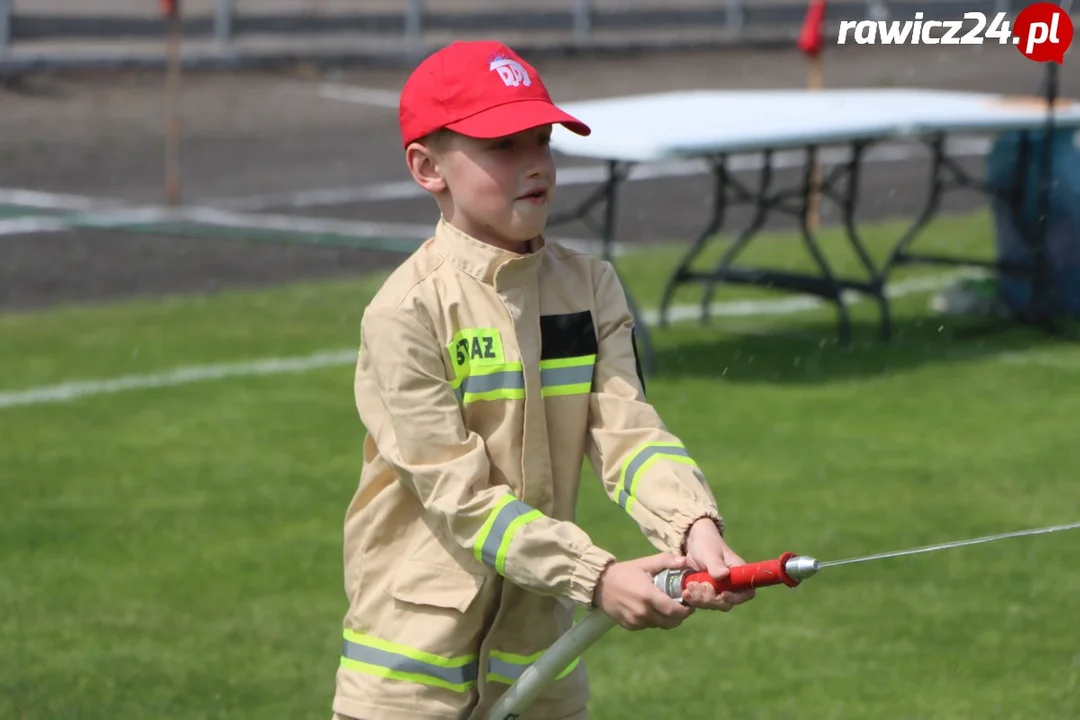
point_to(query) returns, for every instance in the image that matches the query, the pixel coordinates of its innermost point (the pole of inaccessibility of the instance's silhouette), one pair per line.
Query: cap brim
(517, 117)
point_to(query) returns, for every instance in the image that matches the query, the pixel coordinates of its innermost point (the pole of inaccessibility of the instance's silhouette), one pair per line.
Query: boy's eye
(508, 143)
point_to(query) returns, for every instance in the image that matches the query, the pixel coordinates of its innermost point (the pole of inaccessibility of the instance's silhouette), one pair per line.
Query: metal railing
(581, 19)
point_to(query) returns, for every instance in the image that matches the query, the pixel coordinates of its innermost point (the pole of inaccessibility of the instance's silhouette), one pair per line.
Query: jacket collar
(488, 264)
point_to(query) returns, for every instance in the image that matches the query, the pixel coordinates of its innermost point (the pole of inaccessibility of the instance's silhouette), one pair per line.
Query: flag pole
(810, 43)
(815, 81)
(172, 100)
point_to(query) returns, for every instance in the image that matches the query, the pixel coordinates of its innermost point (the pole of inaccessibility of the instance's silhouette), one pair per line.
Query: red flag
(811, 38)
(171, 8)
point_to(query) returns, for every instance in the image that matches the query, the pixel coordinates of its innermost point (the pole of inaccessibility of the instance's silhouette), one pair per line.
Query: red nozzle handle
(751, 575)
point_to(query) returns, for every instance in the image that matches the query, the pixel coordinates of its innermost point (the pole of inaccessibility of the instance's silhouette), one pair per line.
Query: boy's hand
(707, 551)
(626, 593)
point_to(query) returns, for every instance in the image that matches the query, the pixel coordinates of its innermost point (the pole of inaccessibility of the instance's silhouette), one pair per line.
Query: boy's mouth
(537, 195)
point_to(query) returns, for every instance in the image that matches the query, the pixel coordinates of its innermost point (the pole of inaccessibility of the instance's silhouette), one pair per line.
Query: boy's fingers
(667, 606)
(719, 570)
(738, 598)
(703, 595)
(663, 561)
(701, 592)
(672, 615)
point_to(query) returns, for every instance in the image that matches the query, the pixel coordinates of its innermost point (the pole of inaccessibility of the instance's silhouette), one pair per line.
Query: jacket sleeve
(644, 467)
(415, 418)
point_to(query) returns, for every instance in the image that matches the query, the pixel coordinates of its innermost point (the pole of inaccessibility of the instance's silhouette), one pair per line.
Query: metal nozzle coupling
(670, 582)
(801, 567)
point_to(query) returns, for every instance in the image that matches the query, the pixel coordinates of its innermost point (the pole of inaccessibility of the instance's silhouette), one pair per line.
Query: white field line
(54, 201)
(32, 225)
(105, 217)
(1064, 362)
(68, 391)
(350, 228)
(592, 175)
(73, 390)
(794, 304)
(355, 228)
(110, 215)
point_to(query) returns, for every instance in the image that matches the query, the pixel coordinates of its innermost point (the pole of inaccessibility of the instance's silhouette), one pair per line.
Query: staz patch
(475, 347)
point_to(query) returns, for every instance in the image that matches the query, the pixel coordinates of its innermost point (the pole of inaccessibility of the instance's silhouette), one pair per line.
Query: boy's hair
(438, 141)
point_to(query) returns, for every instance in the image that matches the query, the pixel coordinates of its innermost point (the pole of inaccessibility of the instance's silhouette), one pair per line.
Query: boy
(493, 362)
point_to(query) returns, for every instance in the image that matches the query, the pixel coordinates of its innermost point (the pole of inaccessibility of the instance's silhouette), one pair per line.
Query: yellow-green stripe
(567, 376)
(493, 542)
(640, 462)
(373, 656)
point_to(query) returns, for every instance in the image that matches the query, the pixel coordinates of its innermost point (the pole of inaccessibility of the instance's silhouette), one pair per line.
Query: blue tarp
(1063, 221)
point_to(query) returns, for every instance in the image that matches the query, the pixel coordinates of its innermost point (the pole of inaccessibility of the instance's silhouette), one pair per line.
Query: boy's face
(498, 191)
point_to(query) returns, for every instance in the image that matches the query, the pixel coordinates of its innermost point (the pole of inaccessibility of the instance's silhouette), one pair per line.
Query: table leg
(761, 213)
(849, 204)
(945, 175)
(899, 254)
(716, 220)
(617, 172)
(810, 240)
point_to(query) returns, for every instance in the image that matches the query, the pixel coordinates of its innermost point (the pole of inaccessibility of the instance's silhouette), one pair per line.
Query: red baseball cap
(481, 89)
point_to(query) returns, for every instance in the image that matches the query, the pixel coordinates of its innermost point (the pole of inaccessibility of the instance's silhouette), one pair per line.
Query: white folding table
(712, 125)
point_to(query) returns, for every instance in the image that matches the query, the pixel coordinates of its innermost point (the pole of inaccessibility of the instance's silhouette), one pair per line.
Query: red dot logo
(1043, 32)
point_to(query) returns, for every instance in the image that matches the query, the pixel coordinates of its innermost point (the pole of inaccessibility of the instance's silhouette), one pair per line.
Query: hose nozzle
(789, 569)
(801, 567)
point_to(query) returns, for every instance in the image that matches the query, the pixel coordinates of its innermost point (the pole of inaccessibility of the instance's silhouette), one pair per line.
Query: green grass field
(175, 552)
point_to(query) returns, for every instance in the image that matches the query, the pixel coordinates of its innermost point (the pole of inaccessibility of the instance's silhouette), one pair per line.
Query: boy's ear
(423, 165)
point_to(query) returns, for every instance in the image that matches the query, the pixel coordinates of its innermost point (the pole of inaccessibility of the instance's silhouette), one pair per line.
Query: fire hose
(789, 569)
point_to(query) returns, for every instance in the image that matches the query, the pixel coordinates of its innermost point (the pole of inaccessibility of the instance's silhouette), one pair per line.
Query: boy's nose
(540, 166)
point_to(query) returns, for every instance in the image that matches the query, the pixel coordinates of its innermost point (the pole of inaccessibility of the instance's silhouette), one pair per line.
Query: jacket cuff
(684, 521)
(587, 573)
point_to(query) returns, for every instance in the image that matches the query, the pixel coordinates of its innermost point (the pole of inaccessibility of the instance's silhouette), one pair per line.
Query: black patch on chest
(566, 336)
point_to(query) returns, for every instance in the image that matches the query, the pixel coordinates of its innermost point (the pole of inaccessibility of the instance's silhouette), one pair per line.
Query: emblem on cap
(510, 70)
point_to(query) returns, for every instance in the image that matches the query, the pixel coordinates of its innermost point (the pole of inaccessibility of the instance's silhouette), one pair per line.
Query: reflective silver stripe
(507, 669)
(566, 376)
(403, 664)
(512, 510)
(623, 498)
(643, 457)
(503, 380)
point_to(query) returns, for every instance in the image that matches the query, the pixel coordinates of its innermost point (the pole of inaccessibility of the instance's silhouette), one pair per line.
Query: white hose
(544, 671)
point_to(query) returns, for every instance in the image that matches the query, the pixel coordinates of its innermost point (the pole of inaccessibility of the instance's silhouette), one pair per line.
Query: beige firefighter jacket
(484, 380)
